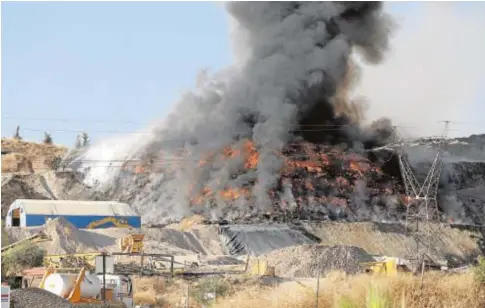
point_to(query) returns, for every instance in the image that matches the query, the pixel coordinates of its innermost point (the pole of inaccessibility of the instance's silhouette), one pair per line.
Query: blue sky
(104, 67)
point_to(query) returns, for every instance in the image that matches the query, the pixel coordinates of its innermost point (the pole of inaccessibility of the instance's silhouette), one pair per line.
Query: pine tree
(47, 138)
(17, 133)
(85, 139)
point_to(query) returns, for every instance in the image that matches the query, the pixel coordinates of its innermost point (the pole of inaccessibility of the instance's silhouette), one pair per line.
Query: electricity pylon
(421, 199)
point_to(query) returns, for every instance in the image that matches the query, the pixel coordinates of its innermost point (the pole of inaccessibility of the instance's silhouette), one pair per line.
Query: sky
(108, 68)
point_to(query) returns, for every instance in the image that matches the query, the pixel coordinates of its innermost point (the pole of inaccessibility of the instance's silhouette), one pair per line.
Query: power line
(148, 122)
(66, 120)
(335, 128)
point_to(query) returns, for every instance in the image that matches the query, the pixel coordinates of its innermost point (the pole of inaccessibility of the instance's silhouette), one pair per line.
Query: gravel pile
(40, 298)
(66, 238)
(309, 260)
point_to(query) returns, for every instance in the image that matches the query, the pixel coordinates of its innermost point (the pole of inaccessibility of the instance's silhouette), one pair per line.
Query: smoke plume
(434, 71)
(292, 75)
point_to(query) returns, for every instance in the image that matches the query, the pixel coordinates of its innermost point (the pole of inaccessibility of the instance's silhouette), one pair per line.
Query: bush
(23, 256)
(479, 270)
(209, 285)
(377, 299)
(4, 235)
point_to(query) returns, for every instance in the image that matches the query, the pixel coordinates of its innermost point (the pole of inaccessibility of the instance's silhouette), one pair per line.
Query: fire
(233, 194)
(226, 194)
(229, 152)
(355, 167)
(309, 186)
(251, 155)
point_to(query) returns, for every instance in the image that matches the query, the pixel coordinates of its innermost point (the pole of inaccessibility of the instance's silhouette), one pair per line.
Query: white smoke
(435, 71)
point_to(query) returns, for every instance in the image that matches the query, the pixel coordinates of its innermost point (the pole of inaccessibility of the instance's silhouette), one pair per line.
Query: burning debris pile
(293, 74)
(316, 182)
(275, 134)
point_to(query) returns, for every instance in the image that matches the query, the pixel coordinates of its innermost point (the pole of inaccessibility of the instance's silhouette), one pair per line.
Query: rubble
(310, 260)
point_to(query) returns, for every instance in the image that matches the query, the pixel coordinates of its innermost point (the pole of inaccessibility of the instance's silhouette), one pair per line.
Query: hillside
(20, 156)
(317, 182)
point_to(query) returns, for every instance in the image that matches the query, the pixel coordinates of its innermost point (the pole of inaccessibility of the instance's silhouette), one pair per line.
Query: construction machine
(132, 243)
(387, 266)
(83, 287)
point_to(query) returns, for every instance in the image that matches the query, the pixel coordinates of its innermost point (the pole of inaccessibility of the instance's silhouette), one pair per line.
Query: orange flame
(251, 155)
(233, 194)
(230, 152)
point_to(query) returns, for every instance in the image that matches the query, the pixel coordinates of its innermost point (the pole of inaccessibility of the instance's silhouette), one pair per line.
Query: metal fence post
(104, 277)
(188, 295)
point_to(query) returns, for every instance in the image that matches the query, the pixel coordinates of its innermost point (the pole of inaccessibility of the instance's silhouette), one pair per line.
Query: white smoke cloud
(434, 72)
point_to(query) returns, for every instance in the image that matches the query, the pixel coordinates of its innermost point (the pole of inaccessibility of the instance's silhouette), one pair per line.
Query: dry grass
(152, 291)
(29, 157)
(439, 290)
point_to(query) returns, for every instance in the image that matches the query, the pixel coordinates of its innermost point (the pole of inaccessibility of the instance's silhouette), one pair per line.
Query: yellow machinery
(74, 294)
(132, 243)
(77, 260)
(83, 287)
(261, 268)
(118, 223)
(388, 267)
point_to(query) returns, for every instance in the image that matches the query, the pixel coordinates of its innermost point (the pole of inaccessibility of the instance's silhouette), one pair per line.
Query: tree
(78, 142)
(85, 139)
(17, 133)
(47, 138)
(20, 257)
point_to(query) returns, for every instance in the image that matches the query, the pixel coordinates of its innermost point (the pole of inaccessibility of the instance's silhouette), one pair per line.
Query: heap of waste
(312, 260)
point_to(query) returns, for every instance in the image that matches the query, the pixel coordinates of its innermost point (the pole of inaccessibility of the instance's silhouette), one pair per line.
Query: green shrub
(4, 235)
(346, 302)
(479, 270)
(209, 285)
(23, 256)
(377, 299)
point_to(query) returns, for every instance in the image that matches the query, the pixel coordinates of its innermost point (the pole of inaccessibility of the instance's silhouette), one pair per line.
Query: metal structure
(36, 238)
(421, 198)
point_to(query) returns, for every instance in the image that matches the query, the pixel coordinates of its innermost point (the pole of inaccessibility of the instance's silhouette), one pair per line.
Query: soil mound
(66, 238)
(311, 260)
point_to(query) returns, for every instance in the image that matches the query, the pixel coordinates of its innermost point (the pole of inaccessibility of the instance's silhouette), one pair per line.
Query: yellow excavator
(118, 223)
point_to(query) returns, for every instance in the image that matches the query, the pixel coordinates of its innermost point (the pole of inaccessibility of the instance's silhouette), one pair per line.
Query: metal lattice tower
(422, 199)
